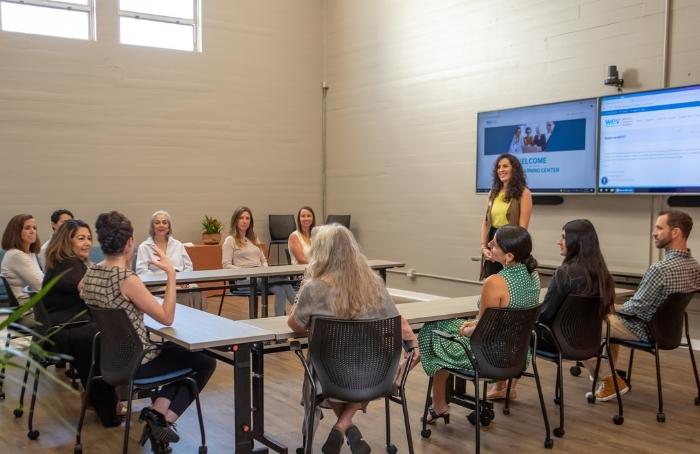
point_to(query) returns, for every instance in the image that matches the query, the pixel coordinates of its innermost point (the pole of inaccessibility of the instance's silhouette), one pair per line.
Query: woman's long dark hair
(517, 241)
(517, 183)
(584, 258)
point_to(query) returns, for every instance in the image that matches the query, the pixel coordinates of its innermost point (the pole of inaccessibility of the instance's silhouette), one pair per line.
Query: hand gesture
(162, 261)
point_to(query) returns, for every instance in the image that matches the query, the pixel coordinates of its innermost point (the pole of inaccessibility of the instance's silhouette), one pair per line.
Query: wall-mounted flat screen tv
(556, 144)
(650, 142)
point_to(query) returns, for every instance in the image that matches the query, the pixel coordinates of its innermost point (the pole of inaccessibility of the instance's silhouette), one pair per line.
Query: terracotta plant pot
(211, 238)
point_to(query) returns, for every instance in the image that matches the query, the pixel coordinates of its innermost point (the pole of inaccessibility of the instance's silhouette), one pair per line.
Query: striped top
(102, 288)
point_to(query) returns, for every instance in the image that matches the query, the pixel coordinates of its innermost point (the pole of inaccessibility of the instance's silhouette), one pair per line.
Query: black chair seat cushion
(163, 378)
(548, 355)
(632, 343)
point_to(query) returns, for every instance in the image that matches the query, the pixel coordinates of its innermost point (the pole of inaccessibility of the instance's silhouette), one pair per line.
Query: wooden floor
(589, 428)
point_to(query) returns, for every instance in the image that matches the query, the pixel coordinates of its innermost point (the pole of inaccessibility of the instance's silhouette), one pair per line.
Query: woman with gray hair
(340, 284)
(160, 234)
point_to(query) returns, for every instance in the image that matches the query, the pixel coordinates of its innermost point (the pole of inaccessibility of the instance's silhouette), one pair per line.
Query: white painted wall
(406, 80)
(93, 126)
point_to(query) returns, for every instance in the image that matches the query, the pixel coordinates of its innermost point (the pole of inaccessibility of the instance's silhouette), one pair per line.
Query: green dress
(437, 353)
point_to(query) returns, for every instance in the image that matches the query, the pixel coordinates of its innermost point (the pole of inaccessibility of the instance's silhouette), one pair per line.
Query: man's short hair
(680, 219)
(56, 215)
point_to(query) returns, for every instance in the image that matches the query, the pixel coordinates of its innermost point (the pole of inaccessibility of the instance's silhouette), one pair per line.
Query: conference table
(197, 330)
(263, 274)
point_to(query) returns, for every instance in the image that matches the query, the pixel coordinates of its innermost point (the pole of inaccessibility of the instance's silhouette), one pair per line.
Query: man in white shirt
(58, 217)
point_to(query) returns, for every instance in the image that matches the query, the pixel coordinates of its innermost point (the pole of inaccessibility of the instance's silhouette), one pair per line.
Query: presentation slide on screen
(554, 142)
(650, 141)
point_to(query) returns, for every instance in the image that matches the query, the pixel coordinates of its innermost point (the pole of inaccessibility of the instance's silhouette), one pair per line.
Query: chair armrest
(296, 347)
(457, 340)
(538, 331)
(408, 347)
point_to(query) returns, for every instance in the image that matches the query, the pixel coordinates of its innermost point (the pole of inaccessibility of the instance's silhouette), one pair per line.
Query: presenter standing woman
(510, 203)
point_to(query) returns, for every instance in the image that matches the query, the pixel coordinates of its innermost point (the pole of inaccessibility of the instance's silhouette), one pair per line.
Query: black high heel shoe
(157, 446)
(433, 416)
(160, 429)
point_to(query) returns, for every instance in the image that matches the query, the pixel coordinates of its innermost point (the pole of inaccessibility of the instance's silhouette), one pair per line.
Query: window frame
(195, 23)
(57, 4)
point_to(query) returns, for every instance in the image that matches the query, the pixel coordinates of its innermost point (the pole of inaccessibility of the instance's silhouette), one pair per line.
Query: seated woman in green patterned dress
(516, 286)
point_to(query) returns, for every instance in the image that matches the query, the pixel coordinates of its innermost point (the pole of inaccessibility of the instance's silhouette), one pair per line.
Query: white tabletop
(189, 277)
(415, 313)
(196, 330)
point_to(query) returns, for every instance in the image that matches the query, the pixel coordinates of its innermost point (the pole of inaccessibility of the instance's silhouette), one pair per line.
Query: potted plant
(211, 230)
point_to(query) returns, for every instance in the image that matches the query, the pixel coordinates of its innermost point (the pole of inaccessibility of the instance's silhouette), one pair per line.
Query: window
(171, 24)
(65, 18)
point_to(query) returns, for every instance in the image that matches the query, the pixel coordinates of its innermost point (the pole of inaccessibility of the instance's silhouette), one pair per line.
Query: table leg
(265, 292)
(253, 299)
(259, 401)
(242, 419)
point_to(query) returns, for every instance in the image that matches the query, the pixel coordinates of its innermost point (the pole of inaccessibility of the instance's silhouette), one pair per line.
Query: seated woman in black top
(583, 272)
(68, 253)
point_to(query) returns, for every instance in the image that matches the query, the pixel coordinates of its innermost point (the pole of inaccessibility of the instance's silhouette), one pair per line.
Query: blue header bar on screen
(680, 105)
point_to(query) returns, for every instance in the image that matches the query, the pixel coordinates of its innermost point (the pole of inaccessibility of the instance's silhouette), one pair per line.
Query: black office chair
(47, 338)
(575, 335)
(120, 355)
(4, 300)
(342, 219)
(498, 350)
(281, 226)
(666, 328)
(355, 361)
(24, 327)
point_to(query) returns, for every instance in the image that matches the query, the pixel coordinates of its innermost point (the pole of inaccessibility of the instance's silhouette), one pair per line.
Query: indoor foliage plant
(211, 230)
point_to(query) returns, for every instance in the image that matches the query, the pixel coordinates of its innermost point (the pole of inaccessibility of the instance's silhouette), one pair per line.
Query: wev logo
(612, 122)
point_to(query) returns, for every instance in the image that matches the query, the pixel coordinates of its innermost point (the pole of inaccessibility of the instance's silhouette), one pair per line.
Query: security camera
(613, 78)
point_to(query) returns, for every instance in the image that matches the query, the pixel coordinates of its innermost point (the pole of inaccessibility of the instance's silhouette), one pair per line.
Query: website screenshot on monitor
(554, 142)
(650, 142)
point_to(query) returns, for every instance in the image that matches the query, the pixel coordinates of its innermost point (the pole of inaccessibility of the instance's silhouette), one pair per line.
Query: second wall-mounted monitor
(556, 144)
(650, 142)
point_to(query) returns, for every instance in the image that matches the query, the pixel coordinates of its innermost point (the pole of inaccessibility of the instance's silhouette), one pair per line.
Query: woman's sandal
(433, 416)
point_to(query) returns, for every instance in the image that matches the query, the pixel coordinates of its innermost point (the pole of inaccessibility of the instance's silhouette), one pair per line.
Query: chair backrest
(288, 255)
(578, 328)
(120, 346)
(10, 294)
(96, 254)
(3, 291)
(342, 219)
(356, 360)
(281, 226)
(666, 326)
(501, 341)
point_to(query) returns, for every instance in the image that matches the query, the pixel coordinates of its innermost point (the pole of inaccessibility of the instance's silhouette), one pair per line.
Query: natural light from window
(48, 18)
(170, 24)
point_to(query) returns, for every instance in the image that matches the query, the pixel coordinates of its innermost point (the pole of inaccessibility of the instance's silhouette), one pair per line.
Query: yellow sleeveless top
(499, 209)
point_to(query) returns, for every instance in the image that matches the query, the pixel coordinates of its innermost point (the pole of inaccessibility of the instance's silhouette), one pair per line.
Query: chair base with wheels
(121, 353)
(574, 334)
(498, 350)
(348, 346)
(666, 332)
